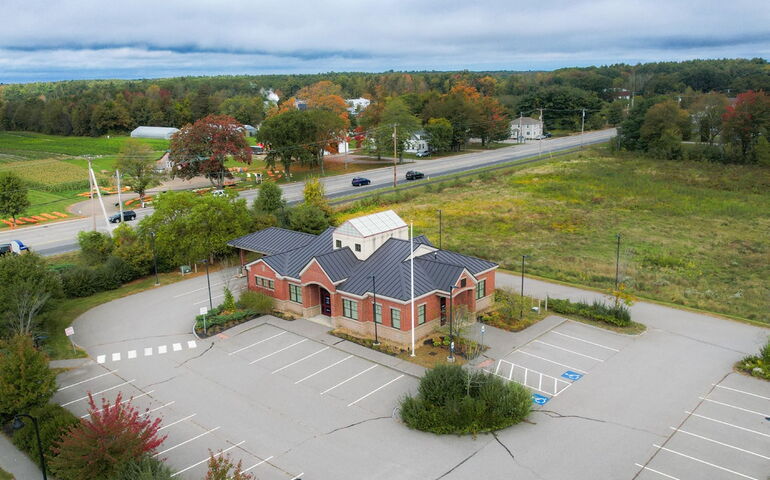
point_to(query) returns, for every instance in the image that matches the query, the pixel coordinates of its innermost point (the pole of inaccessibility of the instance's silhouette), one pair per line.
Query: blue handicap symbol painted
(539, 399)
(570, 375)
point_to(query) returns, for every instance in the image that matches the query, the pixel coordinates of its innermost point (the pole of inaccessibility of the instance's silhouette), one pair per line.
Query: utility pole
(439, 229)
(617, 262)
(582, 128)
(395, 156)
(521, 313)
(99, 194)
(91, 186)
(540, 139)
(521, 127)
(120, 202)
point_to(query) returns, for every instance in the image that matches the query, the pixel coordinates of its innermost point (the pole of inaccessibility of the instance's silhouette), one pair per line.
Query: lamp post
(521, 313)
(451, 357)
(617, 262)
(18, 423)
(439, 229)
(208, 283)
(154, 259)
(374, 310)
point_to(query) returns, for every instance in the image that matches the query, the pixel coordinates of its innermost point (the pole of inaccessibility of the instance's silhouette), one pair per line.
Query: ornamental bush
(53, 421)
(256, 301)
(25, 379)
(617, 315)
(452, 400)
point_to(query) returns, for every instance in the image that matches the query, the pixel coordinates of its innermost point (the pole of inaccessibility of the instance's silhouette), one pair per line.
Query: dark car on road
(5, 249)
(414, 175)
(127, 215)
(358, 181)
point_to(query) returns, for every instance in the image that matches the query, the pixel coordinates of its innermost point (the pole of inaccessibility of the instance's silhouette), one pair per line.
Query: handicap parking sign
(539, 399)
(570, 375)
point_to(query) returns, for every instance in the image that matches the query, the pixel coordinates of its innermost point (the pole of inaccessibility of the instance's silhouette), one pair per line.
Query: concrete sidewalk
(14, 461)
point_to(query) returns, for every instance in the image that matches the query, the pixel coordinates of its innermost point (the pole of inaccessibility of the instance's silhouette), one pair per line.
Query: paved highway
(60, 237)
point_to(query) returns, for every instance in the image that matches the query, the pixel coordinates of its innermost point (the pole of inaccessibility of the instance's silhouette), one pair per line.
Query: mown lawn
(38, 145)
(693, 234)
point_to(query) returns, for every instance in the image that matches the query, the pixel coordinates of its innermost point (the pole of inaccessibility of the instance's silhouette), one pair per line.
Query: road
(61, 237)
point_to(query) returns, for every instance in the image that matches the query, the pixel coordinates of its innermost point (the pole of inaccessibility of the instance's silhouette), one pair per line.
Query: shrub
(79, 282)
(216, 317)
(617, 315)
(255, 301)
(53, 421)
(228, 304)
(146, 468)
(95, 247)
(757, 365)
(220, 466)
(451, 400)
(25, 379)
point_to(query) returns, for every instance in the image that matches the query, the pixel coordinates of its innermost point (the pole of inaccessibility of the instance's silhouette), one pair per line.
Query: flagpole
(411, 275)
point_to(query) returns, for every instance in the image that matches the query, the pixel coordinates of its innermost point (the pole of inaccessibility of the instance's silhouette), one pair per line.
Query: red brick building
(335, 276)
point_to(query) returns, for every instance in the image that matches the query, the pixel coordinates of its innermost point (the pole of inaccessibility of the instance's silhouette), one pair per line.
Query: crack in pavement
(461, 462)
(162, 381)
(552, 414)
(494, 434)
(354, 424)
(211, 345)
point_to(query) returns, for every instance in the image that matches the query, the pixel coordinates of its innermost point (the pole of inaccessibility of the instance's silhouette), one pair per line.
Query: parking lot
(725, 436)
(552, 362)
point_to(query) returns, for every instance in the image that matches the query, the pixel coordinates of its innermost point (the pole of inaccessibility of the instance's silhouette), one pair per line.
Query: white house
(418, 142)
(251, 131)
(342, 147)
(163, 133)
(357, 105)
(526, 128)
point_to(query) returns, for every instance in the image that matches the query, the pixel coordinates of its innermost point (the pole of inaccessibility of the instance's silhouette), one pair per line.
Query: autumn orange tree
(105, 442)
(203, 147)
(220, 467)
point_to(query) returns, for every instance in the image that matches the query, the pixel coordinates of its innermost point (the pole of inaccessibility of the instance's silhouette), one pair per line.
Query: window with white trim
(421, 314)
(395, 318)
(358, 247)
(481, 289)
(295, 293)
(350, 309)
(264, 283)
(378, 313)
(338, 243)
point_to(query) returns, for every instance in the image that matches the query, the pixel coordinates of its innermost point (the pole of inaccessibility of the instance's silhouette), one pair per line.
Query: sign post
(70, 331)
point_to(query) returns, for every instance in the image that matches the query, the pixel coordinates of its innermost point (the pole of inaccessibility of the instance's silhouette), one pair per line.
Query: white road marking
(551, 361)
(570, 351)
(719, 443)
(162, 349)
(101, 358)
(207, 458)
(206, 300)
(655, 471)
(733, 406)
(116, 357)
(277, 351)
(704, 462)
(187, 441)
(584, 341)
(176, 347)
(743, 391)
(131, 354)
(728, 424)
(301, 359)
(148, 412)
(178, 421)
(197, 290)
(121, 402)
(87, 380)
(375, 390)
(258, 464)
(349, 379)
(191, 344)
(298, 476)
(323, 369)
(148, 351)
(98, 393)
(257, 343)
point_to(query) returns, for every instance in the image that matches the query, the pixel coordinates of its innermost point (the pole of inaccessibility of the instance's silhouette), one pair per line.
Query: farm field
(692, 234)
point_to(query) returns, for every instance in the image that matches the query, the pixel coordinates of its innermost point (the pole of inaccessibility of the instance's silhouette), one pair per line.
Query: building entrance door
(443, 310)
(326, 302)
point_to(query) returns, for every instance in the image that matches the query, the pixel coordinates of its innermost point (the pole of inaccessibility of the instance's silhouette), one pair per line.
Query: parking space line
(323, 369)
(98, 393)
(87, 380)
(121, 402)
(191, 344)
(257, 343)
(196, 290)
(258, 464)
(178, 421)
(349, 379)
(584, 341)
(719, 443)
(148, 351)
(728, 424)
(296, 477)
(301, 359)
(567, 350)
(555, 363)
(743, 391)
(277, 351)
(158, 408)
(655, 471)
(733, 406)
(703, 462)
(187, 441)
(375, 390)
(207, 458)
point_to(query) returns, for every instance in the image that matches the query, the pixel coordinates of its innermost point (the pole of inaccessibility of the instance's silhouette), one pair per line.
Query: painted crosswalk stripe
(131, 354)
(191, 344)
(116, 357)
(101, 358)
(176, 347)
(162, 349)
(148, 351)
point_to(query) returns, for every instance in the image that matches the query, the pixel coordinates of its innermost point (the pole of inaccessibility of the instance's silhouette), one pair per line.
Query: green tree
(615, 112)
(137, 166)
(492, 123)
(290, 137)
(439, 132)
(109, 117)
(246, 109)
(314, 194)
(270, 198)
(308, 218)
(745, 122)
(14, 196)
(95, 247)
(27, 287)
(134, 250)
(762, 151)
(203, 147)
(663, 129)
(707, 112)
(26, 381)
(396, 117)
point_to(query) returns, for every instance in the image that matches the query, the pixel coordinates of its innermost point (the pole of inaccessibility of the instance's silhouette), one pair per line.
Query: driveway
(290, 400)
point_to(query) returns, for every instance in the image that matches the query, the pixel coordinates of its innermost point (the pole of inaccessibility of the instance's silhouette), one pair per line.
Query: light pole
(439, 229)
(521, 313)
(617, 261)
(374, 310)
(18, 423)
(154, 259)
(451, 357)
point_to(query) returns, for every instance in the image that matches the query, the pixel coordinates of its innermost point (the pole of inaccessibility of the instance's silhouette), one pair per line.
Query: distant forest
(98, 107)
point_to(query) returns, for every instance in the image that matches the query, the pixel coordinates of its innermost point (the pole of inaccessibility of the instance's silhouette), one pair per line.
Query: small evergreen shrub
(255, 301)
(617, 315)
(53, 421)
(757, 365)
(146, 468)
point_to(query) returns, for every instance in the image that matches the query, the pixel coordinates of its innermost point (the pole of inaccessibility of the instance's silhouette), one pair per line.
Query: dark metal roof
(290, 263)
(271, 241)
(473, 264)
(339, 263)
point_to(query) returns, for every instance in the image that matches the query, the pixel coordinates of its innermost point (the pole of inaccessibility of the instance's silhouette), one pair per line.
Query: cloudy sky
(74, 39)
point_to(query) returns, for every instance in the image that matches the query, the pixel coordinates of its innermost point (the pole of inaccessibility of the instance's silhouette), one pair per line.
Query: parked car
(358, 181)
(217, 193)
(127, 215)
(414, 175)
(548, 134)
(5, 249)
(422, 153)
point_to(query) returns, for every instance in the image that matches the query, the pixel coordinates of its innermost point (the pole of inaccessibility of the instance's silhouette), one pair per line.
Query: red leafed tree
(104, 442)
(202, 148)
(745, 121)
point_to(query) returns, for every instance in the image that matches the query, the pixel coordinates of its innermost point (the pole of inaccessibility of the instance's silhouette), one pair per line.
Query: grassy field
(693, 234)
(25, 145)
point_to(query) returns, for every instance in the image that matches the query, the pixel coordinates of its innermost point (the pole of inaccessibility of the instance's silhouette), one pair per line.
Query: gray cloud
(92, 39)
